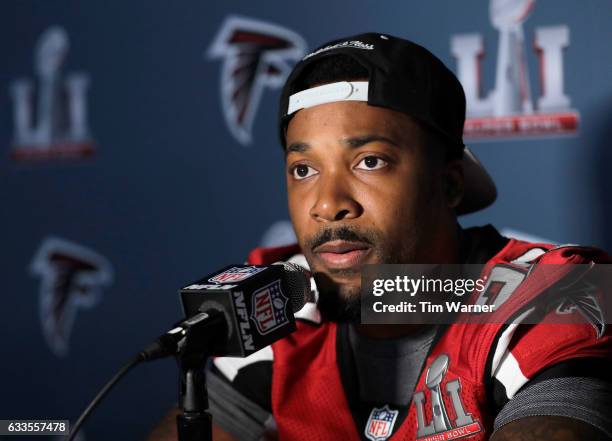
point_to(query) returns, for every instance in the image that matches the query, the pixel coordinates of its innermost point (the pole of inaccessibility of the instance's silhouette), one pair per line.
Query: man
(377, 173)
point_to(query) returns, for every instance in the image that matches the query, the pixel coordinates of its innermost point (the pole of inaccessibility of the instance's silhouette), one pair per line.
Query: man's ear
(454, 183)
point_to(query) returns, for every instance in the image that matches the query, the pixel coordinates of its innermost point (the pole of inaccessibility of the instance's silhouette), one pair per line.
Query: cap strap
(328, 93)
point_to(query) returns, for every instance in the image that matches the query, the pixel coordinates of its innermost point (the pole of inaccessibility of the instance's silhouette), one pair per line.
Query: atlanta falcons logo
(255, 54)
(72, 277)
(582, 297)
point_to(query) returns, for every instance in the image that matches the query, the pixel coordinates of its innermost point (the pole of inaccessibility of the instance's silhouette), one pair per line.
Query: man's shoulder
(517, 250)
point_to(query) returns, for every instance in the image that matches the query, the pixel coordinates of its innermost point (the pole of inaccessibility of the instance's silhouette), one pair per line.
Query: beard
(341, 302)
(336, 303)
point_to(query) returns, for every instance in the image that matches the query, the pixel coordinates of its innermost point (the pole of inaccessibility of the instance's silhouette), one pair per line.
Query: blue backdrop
(100, 227)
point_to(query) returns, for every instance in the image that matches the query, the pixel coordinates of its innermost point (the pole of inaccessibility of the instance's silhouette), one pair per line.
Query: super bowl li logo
(54, 125)
(440, 427)
(509, 109)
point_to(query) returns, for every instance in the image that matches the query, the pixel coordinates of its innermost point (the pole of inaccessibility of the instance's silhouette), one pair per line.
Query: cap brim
(480, 190)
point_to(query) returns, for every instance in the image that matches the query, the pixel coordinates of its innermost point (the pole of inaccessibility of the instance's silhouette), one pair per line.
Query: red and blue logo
(268, 308)
(380, 423)
(236, 274)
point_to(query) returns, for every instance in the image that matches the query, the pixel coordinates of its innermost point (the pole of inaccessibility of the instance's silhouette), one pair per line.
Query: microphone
(233, 312)
(237, 311)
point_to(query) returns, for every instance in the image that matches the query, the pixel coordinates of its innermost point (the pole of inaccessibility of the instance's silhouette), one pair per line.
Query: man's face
(362, 189)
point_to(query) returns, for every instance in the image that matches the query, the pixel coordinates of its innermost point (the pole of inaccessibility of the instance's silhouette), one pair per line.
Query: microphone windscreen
(297, 280)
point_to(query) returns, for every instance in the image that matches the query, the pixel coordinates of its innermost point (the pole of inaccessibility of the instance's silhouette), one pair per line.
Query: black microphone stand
(195, 422)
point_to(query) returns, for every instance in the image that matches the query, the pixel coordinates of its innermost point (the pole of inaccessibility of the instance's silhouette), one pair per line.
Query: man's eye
(371, 163)
(303, 171)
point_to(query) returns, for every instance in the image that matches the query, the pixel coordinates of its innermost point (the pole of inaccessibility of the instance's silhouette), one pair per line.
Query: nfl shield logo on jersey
(268, 309)
(235, 274)
(380, 424)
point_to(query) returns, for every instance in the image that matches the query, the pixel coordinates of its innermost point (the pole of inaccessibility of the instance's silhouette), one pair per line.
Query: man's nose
(335, 200)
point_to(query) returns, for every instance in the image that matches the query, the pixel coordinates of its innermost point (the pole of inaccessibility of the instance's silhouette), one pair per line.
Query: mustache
(346, 233)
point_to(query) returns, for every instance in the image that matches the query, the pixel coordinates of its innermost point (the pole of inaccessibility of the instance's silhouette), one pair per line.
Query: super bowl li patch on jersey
(236, 274)
(380, 423)
(441, 427)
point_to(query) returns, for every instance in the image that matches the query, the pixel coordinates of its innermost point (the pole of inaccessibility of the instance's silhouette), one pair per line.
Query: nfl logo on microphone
(268, 308)
(380, 424)
(235, 274)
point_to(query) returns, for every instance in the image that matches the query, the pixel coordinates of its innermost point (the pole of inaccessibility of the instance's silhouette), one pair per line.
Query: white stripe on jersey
(504, 340)
(309, 312)
(529, 256)
(510, 375)
(300, 260)
(504, 366)
(229, 366)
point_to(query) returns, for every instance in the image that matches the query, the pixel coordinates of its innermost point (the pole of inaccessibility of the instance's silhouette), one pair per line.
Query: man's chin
(339, 297)
(339, 310)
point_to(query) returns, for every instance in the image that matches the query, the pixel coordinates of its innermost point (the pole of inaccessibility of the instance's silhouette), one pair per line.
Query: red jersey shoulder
(575, 325)
(522, 271)
(572, 326)
(516, 277)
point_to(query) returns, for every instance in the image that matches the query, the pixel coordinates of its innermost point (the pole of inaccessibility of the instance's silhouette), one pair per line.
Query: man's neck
(451, 253)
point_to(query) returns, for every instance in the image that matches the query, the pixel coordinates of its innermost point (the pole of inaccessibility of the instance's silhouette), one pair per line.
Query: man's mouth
(341, 254)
